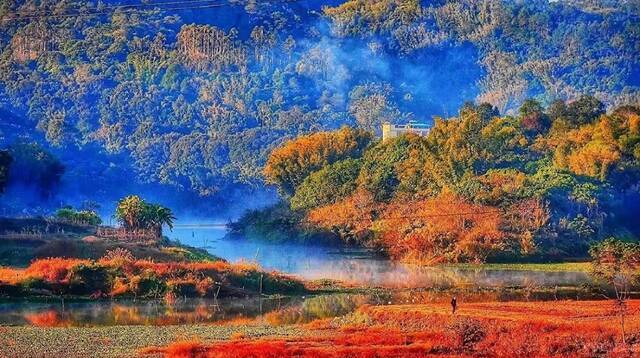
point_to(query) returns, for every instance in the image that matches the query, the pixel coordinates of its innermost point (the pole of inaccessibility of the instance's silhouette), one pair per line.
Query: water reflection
(152, 313)
(360, 267)
(274, 311)
(351, 266)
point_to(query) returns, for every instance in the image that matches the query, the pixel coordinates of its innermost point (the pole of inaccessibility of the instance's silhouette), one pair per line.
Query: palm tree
(135, 214)
(155, 216)
(130, 212)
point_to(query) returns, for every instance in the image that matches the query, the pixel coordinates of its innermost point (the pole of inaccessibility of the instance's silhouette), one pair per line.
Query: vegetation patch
(546, 267)
(538, 186)
(478, 329)
(118, 274)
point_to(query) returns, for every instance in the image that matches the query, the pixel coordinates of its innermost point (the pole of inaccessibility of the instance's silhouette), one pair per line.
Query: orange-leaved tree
(351, 218)
(289, 164)
(445, 228)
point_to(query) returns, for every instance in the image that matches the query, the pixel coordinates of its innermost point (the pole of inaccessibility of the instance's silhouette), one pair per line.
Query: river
(359, 267)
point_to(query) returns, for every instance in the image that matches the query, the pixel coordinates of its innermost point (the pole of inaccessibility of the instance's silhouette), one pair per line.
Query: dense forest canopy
(544, 183)
(196, 98)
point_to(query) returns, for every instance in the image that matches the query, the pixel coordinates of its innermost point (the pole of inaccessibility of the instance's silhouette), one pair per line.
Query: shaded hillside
(195, 99)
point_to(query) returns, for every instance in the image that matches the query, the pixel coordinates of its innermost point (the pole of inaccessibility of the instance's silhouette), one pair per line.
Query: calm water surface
(142, 312)
(359, 266)
(353, 266)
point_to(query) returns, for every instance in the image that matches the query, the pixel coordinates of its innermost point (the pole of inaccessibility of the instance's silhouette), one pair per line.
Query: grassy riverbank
(119, 274)
(44, 258)
(536, 329)
(565, 328)
(544, 267)
(28, 239)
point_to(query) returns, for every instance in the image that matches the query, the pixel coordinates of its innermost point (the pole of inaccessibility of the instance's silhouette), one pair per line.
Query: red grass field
(491, 329)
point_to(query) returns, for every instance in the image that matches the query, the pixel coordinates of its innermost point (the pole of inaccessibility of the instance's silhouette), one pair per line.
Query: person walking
(454, 305)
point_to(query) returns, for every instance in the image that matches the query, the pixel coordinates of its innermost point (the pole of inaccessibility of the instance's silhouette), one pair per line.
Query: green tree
(134, 214)
(532, 117)
(289, 164)
(129, 212)
(557, 110)
(154, 216)
(82, 217)
(328, 185)
(380, 164)
(584, 110)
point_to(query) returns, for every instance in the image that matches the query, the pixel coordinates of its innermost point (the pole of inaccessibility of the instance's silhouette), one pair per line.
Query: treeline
(545, 183)
(551, 47)
(198, 104)
(28, 165)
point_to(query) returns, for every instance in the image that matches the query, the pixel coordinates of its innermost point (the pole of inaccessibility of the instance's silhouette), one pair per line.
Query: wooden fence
(122, 234)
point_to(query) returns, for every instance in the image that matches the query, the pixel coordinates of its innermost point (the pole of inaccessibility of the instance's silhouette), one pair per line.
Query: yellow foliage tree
(289, 164)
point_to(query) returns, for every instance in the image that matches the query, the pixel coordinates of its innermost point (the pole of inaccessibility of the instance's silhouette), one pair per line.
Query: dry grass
(10, 275)
(53, 269)
(512, 329)
(121, 275)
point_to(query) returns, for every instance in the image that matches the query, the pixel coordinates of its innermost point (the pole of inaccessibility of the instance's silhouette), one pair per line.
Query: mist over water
(131, 312)
(361, 267)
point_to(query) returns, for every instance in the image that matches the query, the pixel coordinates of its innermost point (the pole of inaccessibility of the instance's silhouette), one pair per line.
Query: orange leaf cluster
(426, 231)
(10, 276)
(290, 163)
(441, 229)
(54, 270)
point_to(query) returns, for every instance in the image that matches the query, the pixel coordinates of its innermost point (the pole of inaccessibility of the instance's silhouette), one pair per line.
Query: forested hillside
(195, 94)
(544, 183)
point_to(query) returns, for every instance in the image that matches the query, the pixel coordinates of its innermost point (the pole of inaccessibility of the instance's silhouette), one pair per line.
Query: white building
(392, 130)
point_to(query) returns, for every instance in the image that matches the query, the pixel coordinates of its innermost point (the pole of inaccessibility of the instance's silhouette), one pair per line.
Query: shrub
(53, 270)
(271, 283)
(117, 257)
(205, 286)
(179, 349)
(183, 288)
(468, 332)
(148, 285)
(10, 290)
(33, 283)
(89, 278)
(120, 287)
(82, 217)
